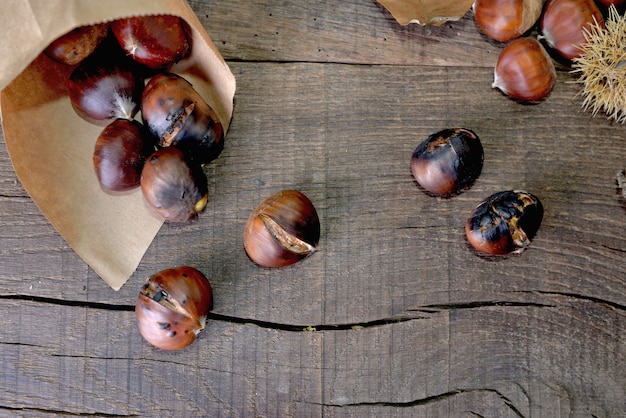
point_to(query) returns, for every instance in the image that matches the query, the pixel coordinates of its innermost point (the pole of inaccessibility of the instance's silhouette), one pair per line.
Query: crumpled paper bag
(51, 148)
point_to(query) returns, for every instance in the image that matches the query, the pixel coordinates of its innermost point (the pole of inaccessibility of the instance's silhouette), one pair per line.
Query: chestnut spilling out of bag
(51, 140)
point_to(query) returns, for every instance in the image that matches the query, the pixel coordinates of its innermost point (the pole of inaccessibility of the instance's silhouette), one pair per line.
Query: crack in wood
(476, 305)
(64, 413)
(311, 328)
(619, 250)
(225, 318)
(577, 296)
(434, 398)
(72, 303)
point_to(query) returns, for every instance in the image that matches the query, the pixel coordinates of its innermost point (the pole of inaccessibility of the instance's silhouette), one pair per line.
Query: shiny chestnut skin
(77, 44)
(156, 41)
(505, 20)
(119, 154)
(563, 22)
(504, 223)
(177, 115)
(105, 87)
(172, 306)
(282, 230)
(524, 71)
(174, 186)
(447, 161)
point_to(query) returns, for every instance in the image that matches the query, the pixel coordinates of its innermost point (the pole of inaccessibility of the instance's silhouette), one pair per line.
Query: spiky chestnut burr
(601, 68)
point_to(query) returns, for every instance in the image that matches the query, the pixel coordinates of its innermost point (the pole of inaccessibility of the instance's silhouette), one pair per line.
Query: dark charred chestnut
(175, 187)
(447, 161)
(76, 45)
(177, 115)
(504, 223)
(155, 41)
(104, 87)
(282, 230)
(172, 307)
(119, 154)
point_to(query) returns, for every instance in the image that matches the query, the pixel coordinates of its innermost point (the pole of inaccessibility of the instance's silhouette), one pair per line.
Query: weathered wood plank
(544, 359)
(92, 361)
(350, 31)
(409, 322)
(357, 127)
(388, 253)
(486, 361)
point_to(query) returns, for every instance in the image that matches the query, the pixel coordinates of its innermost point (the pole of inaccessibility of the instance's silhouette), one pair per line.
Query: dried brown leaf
(427, 12)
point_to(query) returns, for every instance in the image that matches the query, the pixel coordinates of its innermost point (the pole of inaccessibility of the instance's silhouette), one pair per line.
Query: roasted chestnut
(177, 115)
(282, 230)
(104, 87)
(563, 24)
(175, 187)
(525, 71)
(119, 154)
(157, 41)
(77, 44)
(505, 20)
(447, 161)
(172, 307)
(504, 223)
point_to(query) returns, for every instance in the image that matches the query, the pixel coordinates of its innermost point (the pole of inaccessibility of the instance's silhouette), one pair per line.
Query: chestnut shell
(282, 230)
(174, 186)
(563, 23)
(105, 86)
(505, 222)
(77, 44)
(525, 71)
(156, 41)
(505, 20)
(447, 161)
(172, 306)
(176, 114)
(119, 154)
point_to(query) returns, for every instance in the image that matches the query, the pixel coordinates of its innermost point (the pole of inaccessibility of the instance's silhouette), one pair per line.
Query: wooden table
(394, 315)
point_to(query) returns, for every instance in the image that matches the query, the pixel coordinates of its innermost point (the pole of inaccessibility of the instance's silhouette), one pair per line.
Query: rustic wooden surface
(405, 320)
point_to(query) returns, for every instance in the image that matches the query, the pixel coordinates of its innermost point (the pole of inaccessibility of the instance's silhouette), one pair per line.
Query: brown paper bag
(51, 148)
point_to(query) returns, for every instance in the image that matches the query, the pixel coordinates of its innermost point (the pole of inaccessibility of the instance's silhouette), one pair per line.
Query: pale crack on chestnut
(519, 237)
(160, 296)
(288, 241)
(178, 118)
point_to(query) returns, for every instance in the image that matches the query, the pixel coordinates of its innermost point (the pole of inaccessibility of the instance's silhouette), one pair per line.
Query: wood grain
(394, 315)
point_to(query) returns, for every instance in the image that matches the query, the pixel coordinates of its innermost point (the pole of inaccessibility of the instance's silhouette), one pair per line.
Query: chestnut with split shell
(172, 307)
(504, 223)
(447, 161)
(119, 154)
(177, 115)
(156, 41)
(104, 87)
(176, 188)
(282, 230)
